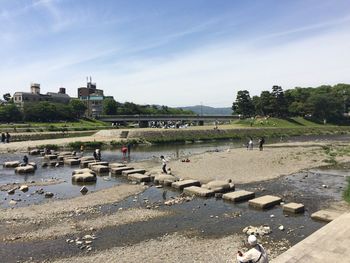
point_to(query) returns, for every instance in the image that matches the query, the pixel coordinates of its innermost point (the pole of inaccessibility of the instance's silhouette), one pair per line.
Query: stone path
(331, 243)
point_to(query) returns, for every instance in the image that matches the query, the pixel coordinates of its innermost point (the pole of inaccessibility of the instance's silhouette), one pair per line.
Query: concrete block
(139, 177)
(198, 191)
(100, 169)
(24, 169)
(50, 157)
(85, 164)
(238, 196)
(33, 164)
(82, 171)
(87, 158)
(134, 171)
(161, 178)
(294, 208)
(325, 215)
(71, 161)
(84, 177)
(119, 170)
(219, 186)
(34, 152)
(185, 183)
(116, 165)
(54, 163)
(265, 201)
(12, 164)
(97, 163)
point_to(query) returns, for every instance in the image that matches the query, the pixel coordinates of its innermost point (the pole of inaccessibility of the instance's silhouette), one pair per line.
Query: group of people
(5, 138)
(250, 144)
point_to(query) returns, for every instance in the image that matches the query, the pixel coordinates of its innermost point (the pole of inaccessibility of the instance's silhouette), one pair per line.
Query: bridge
(144, 119)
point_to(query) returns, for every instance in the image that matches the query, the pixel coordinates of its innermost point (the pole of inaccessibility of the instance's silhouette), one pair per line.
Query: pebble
(281, 227)
(272, 216)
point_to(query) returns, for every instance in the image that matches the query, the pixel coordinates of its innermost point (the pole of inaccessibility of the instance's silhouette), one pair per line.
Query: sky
(175, 53)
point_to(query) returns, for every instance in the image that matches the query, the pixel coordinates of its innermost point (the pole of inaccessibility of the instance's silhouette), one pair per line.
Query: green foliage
(10, 113)
(88, 145)
(47, 112)
(78, 108)
(110, 107)
(243, 104)
(49, 146)
(346, 193)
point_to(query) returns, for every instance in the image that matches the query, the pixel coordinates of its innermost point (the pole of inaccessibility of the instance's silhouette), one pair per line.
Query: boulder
(84, 177)
(24, 169)
(12, 164)
(219, 186)
(24, 188)
(11, 191)
(48, 195)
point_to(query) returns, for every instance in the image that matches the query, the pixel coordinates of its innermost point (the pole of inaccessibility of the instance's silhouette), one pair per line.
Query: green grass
(80, 123)
(280, 123)
(346, 193)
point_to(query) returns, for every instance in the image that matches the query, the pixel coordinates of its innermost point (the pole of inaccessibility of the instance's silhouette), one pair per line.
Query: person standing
(129, 149)
(3, 137)
(25, 160)
(256, 253)
(164, 163)
(81, 150)
(261, 143)
(250, 144)
(124, 151)
(8, 137)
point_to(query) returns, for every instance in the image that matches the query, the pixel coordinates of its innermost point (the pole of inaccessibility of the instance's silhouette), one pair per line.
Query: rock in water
(11, 191)
(48, 195)
(24, 188)
(84, 190)
(281, 227)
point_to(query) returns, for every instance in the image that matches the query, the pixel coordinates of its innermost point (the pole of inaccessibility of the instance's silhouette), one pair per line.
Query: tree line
(112, 107)
(321, 103)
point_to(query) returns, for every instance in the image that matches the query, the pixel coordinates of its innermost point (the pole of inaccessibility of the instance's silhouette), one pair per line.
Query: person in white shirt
(163, 164)
(256, 254)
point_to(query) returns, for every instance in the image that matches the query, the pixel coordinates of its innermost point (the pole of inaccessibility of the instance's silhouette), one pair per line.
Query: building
(22, 98)
(92, 98)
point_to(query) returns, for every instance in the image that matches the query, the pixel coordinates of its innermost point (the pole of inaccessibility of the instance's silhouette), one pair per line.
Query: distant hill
(206, 110)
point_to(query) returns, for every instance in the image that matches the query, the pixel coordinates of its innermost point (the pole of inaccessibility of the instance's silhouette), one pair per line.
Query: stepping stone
(12, 164)
(325, 215)
(53, 163)
(97, 163)
(65, 153)
(24, 169)
(198, 191)
(185, 183)
(50, 156)
(238, 196)
(85, 177)
(119, 170)
(294, 208)
(85, 164)
(34, 152)
(87, 158)
(71, 161)
(33, 164)
(100, 169)
(69, 157)
(82, 171)
(162, 178)
(219, 186)
(265, 201)
(134, 171)
(139, 177)
(116, 165)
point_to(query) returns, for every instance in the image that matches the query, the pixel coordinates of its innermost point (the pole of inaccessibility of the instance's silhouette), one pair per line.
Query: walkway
(331, 243)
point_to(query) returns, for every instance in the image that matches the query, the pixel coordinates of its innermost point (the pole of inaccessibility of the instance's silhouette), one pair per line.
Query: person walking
(3, 137)
(261, 143)
(124, 151)
(164, 163)
(8, 137)
(256, 253)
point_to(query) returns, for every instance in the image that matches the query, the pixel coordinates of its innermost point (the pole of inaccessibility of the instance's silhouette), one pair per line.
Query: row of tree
(321, 103)
(42, 112)
(112, 107)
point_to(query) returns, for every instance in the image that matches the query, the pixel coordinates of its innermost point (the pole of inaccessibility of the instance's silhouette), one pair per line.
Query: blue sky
(178, 53)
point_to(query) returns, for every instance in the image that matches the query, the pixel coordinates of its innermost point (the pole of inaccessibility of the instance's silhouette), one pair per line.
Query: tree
(10, 113)
(324, 107)
(243, 104)
(279, 102)
(266, 102)
(109, 107)
(7, 97)
(78, 108)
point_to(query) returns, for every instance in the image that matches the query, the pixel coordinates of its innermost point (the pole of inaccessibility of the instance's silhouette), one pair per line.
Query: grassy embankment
(241, 130)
